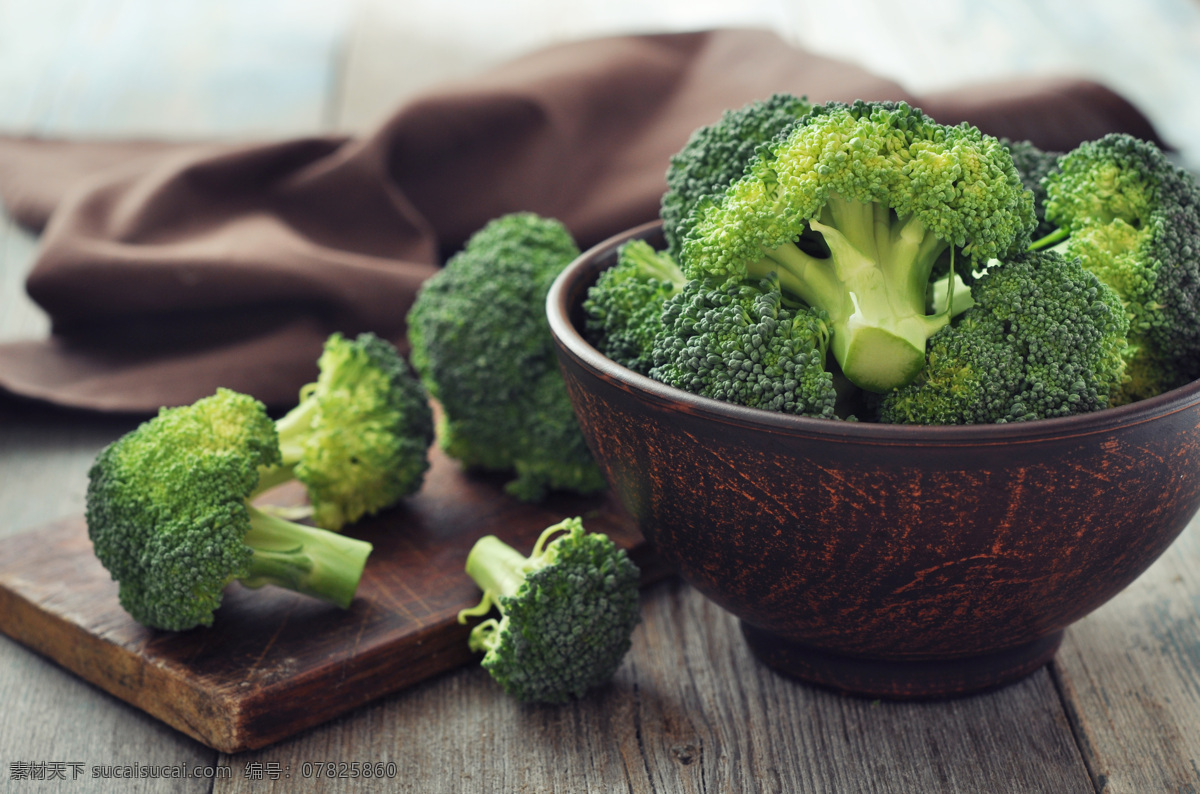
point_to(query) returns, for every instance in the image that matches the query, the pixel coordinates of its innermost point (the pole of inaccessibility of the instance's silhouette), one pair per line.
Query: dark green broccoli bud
(1034, 165)
(360, 436)
(1044, 339)
(624, 307)
(852, 208)
(566, 612)
(716, 155)
(482, 346)
(737, 341)
(1133, 218)
(168, 517)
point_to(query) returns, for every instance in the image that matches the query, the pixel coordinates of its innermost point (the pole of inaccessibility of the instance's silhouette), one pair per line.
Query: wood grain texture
(690, 710)
(275, 662)
(1130, 677)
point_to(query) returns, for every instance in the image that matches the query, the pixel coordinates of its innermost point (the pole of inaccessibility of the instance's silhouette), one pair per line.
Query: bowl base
(900, 679)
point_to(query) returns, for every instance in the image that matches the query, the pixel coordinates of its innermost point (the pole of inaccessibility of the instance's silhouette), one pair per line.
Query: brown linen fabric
(171, 269)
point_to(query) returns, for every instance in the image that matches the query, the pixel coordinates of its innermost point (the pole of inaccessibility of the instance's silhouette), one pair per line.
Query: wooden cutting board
(274, 663)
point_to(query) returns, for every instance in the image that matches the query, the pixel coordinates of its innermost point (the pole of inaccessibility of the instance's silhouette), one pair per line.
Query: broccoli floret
(1045, 338)
(736, 341)
(624, 307)
(566, 612)
(168, 517)
(360, 435)
(1133, 218)
(716, 155)
(482, 346)
(1034, 165)
(852, 208)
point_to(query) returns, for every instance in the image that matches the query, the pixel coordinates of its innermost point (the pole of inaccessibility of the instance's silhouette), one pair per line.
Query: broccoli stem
(496, 567)
(295, 427)
(873, 286)
(304, 559)
(1056, 236)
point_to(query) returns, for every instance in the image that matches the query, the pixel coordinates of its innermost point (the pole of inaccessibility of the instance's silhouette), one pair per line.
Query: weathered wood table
(1118, 710)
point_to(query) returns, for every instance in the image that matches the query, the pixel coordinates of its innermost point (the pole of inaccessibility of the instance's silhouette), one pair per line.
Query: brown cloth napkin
(171, 269)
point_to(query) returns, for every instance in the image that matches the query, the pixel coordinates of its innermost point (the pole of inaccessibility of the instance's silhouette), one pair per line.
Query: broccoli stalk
(168, 516)
(566, 611)
(852, 207)
(311, 561)
(359, 437)
(872, 285)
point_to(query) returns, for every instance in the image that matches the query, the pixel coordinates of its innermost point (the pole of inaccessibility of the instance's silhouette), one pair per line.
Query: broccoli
(566, 612)
(1034, 165)
(1045, 338)
(360, 435)
(624, 307)
(716, 155)
(852, 208)
(482, 346)
(736, 341)
(168, 517)
(1133, 218)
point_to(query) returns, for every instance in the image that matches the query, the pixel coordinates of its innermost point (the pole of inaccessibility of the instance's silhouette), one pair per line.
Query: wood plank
(275, 662)
(691, 710)
(1130, 675)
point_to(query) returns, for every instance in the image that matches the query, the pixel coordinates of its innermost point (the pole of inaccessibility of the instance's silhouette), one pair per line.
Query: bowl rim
(571, 342)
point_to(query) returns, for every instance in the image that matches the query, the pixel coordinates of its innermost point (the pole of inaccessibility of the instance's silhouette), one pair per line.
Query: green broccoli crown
(853, 207)
(360, 435)
(1045, 338)
(624, 307)
(716, 155)
(567, 612)
(482, 346)
(1033, 166)
(167, 516)
(736, 341)
(166, 506)
(1133, 217)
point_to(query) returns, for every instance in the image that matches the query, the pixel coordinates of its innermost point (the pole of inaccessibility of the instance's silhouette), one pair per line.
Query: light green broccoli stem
(1056, 236)
(873, 286)
(654, 264)
(294, 430)
(305, 559)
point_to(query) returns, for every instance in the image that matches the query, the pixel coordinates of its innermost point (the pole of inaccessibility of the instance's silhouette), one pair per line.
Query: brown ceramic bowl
(885, 560)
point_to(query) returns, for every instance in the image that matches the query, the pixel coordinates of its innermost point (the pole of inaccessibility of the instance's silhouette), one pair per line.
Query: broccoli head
(716, 155)
(168, 517)
(852, 208)
(624, 307)
(1133, 218)
(737, 341)
(482, 346)
(360, 435)
(566, 612)
(1045, 338)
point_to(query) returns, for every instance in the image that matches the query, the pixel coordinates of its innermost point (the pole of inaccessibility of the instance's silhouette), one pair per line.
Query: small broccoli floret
(1034, 165)
(360, 435)
(1044, 339)
(736, 341)
(482, 346)
(852, 208)
(1133, 218)
(566, 612)
(168, 517)
(716, 155)
(624, 306)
